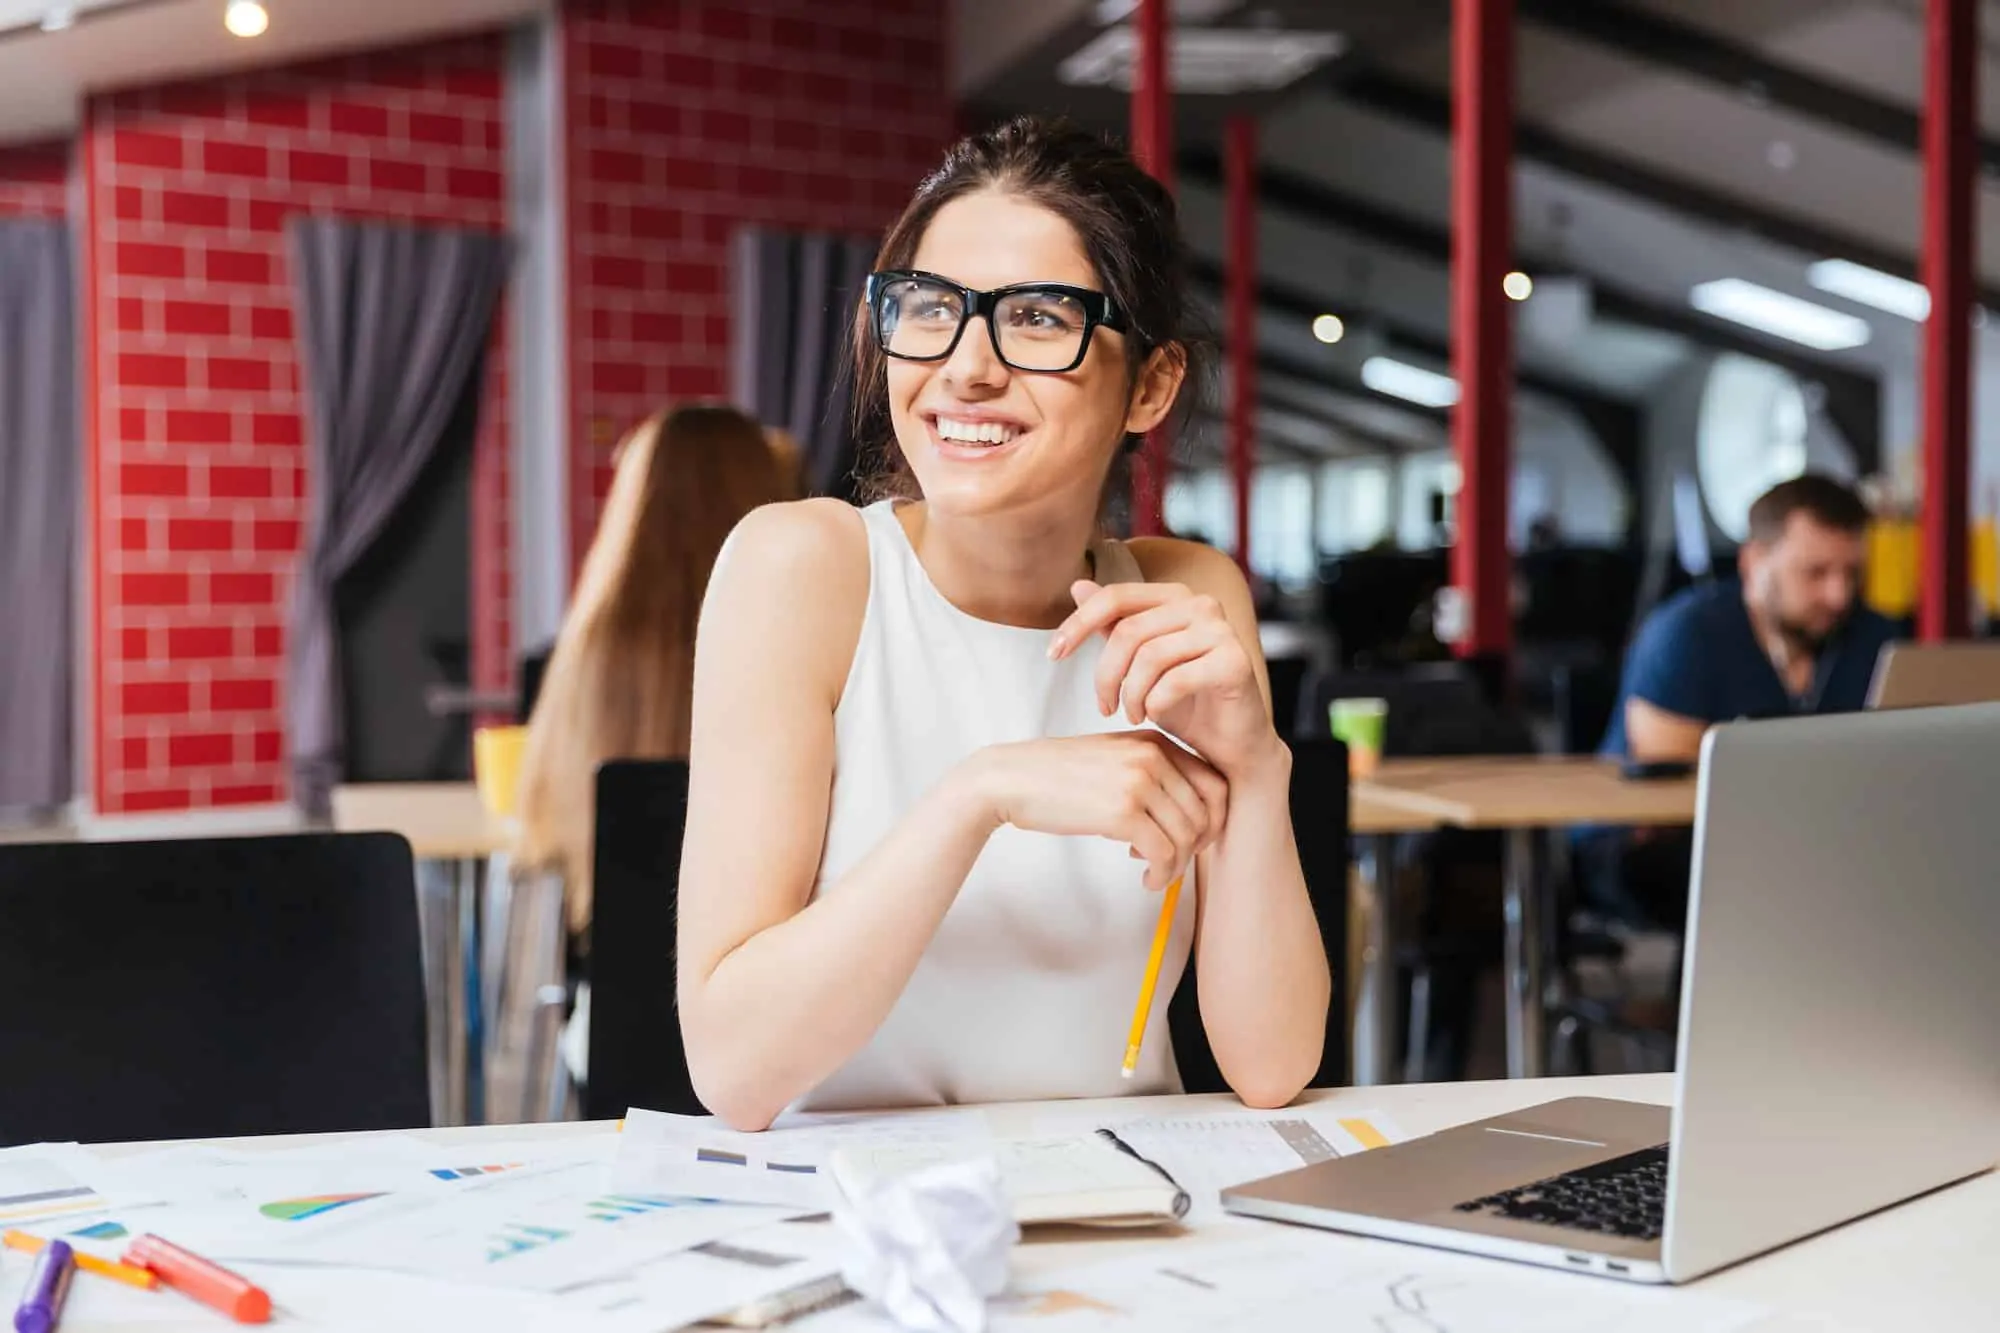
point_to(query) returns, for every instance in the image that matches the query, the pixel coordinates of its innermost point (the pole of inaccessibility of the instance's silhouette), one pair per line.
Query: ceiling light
(246, 18)
(1205, 60)
(1329, 328)
(1518, 286)
(1872, 287)
(1779, 315)
(1400, 379)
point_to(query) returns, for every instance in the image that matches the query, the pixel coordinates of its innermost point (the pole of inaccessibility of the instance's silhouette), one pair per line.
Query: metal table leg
(1375, 1010)
(441, 924)
(1527, 1036)
(472, 1031)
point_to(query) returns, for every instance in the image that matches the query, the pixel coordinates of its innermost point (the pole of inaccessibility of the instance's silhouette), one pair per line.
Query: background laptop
(1839, 984)
(1926, 675)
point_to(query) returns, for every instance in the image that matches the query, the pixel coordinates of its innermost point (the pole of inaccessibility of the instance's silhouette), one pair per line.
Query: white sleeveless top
(1027, 990)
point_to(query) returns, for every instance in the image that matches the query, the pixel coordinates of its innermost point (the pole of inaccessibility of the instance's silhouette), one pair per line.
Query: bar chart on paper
(35, 1187)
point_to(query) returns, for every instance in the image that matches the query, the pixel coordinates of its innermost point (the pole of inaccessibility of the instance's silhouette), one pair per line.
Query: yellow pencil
(1168, 902)
(130, 1274)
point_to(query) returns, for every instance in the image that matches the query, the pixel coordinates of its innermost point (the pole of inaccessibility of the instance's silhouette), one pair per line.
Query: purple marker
(48, 1286)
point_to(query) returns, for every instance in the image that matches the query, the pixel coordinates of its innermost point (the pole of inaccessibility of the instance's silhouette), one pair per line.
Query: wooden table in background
(1524, 796)
(447, 824)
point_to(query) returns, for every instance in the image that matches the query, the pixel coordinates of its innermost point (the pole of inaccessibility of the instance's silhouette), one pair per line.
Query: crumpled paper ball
(931, 1247)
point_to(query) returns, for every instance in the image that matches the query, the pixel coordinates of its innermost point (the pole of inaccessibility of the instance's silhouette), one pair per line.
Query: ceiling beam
(1408, 102)
(1648, 36)
(1317, 204)
(1276, 399)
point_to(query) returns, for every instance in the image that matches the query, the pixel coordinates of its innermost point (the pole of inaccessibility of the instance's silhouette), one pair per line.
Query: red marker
(191, 1275)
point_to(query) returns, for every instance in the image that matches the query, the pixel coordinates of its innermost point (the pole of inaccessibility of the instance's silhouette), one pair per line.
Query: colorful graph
(103, 1231)
(298, 1210)
(467, 1172)
(618, 1207)
(517, 1239)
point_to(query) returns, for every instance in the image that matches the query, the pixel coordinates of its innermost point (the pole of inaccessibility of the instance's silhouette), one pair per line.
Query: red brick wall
(34, 180)
(196, 467)
(689, 118)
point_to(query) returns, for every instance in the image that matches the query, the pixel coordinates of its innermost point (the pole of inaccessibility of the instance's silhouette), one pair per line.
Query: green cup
(1358, 723)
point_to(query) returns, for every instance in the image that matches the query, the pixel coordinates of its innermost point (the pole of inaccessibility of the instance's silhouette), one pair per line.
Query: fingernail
(1057, 647)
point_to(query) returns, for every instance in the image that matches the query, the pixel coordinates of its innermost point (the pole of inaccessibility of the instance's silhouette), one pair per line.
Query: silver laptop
(1838, 1012)
(1927, 675)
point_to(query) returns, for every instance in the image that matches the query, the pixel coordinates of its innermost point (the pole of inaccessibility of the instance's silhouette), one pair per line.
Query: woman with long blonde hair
(620, 684)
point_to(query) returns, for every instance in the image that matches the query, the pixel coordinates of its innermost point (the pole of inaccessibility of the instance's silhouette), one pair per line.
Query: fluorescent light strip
(1779, 315)
(1400, 379)
(1872, 287)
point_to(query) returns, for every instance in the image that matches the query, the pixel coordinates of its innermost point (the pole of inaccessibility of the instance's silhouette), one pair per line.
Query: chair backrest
(636, 1054)
(210, 987)
(1320, 824)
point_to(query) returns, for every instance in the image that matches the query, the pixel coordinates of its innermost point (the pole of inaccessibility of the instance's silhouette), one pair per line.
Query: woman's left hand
(1172, 658)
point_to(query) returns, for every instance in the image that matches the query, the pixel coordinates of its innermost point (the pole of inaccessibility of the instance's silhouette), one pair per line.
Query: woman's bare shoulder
(791, 585)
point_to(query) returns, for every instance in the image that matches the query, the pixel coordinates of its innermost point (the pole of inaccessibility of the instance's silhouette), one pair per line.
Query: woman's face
(984, 438)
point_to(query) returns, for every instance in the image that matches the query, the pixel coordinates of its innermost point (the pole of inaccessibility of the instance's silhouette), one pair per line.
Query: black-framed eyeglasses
(1035, 326)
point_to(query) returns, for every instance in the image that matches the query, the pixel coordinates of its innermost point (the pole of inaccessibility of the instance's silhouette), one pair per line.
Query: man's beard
(1804, 639)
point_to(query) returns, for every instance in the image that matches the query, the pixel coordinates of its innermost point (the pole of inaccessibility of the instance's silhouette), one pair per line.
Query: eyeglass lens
(1038, 330)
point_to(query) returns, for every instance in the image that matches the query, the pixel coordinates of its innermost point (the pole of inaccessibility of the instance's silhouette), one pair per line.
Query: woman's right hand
(1135, 787)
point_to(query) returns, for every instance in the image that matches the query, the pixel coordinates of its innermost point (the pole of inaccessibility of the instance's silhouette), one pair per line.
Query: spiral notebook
(1092, 1180)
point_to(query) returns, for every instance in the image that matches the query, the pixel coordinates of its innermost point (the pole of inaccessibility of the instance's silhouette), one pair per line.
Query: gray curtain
(39, 451)
(795, 297)
(393, 325)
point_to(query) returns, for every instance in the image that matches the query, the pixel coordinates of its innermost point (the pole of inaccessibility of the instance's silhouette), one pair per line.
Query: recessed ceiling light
(1329, 328)
(1518, 286)
(246, 18)
(1779, 315)
(1872, 287)
(1205, 60)
(1400, 379)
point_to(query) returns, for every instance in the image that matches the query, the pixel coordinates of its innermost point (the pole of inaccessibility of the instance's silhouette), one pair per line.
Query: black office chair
(636, 1054)
(210, 987)
(1319, 821)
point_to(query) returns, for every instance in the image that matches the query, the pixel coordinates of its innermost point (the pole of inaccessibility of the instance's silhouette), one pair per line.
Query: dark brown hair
(1829, 503)
(1130, 232)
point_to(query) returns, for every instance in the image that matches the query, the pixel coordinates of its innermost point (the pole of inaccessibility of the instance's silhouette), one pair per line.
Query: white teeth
(975, 432)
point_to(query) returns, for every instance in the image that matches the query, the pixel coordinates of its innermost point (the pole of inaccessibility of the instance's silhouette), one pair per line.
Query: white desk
(1925, 1265)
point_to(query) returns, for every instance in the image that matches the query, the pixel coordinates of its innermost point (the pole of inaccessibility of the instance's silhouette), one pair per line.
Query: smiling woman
(944, 747)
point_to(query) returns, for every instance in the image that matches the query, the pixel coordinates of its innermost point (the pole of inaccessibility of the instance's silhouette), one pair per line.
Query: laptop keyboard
(1626, 1196)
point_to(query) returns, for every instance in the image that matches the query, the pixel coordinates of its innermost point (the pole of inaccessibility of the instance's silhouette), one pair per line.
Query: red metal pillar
(1239, 164)
(1482, 359)
(1951, 55)
(1153, 146)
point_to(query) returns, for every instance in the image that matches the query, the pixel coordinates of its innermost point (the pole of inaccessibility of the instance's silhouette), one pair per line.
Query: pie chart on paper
(298, 1210)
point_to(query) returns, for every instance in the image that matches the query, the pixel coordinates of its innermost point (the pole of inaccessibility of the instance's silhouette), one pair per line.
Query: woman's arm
(1263, 973)
(778, 988)
(775, 992)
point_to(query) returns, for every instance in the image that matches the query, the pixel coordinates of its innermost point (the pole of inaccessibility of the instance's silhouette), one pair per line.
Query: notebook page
(1039, 1170)
(1208, 1153)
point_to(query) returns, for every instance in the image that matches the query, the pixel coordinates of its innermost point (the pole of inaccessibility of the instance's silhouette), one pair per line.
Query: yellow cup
(496, 767)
